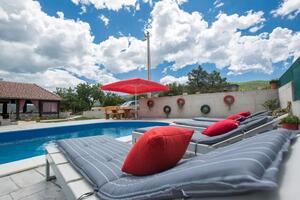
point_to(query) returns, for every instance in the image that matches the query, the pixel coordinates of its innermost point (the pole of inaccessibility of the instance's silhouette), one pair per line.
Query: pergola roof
(13, 90)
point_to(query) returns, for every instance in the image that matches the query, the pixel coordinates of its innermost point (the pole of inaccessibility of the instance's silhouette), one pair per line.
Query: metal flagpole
(148, 55)
(148, 59)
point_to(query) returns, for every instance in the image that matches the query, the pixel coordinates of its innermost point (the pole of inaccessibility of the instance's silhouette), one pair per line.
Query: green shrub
(274, 81)
(272, 104)
(291, 119)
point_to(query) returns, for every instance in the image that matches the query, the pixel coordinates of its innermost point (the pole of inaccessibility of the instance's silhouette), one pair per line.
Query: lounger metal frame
(198, 148)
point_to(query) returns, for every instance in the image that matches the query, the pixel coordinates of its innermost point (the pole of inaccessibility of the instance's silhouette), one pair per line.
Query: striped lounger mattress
(251, 164)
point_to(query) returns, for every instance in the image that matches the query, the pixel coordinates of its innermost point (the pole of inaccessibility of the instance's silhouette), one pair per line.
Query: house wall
(286, 93)
(244, 101)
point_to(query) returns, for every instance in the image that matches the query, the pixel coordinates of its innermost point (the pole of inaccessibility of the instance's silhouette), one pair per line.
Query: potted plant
(271, 104)
(291, 122)
(274, 84)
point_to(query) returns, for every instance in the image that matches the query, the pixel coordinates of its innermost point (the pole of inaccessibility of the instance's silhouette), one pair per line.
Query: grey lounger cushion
(245, 126)
(98, 158)
(190, 122)
(203, 139)
(255, 122)
(251, 164)
(207, 119)
(210, 119)
(145, 129)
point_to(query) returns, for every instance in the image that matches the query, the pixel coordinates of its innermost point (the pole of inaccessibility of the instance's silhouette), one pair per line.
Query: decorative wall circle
(180, 102)
(205, 109)
(229, 100)
(150, 103)
(167, 110)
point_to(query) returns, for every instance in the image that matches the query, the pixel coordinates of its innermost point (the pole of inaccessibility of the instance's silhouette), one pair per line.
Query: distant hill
(253, 85)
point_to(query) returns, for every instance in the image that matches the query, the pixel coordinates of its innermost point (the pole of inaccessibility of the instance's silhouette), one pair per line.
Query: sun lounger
(91, 167)
(210, 119)
(190, 123)
(201, 144)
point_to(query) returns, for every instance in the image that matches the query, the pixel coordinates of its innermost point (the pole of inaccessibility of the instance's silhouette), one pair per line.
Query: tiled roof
(13, 90)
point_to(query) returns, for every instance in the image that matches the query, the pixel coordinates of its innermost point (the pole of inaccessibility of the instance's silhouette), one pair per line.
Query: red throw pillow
(221, 127)
(157, 150)
(244, 114)
(234, 117)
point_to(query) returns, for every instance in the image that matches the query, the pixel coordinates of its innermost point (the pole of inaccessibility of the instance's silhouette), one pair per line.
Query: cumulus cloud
(171, 79)
(35, 43)
(122, 54)
(38, 45)
(186, 38)
(104, 19)
(49, 79)
(290, 8)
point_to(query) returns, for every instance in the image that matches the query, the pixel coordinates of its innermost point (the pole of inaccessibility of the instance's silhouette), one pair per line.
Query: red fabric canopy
(135, 86)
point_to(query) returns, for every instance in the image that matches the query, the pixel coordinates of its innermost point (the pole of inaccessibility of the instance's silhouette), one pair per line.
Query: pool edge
(18, 166)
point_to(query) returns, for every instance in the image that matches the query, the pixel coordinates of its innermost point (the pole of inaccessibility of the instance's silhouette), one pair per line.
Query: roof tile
(14, 90)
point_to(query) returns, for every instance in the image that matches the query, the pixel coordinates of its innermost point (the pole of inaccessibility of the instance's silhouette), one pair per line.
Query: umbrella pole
(135, 105)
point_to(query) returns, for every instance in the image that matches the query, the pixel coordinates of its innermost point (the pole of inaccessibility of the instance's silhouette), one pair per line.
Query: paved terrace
(25, 179)
(29, 185)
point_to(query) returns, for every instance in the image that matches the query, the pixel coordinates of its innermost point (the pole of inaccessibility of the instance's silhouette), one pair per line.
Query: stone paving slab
(7, 186)
(21, 165)
(29, 185)
(6, 197)
(27, 178)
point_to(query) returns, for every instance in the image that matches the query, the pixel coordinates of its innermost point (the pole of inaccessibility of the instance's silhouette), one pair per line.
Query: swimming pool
(17, 145)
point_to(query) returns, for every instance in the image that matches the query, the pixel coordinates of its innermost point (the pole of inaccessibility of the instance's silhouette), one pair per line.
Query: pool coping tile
(21, 165)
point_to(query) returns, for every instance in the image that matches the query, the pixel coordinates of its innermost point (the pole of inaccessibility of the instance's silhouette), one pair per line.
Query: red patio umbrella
(135, 86)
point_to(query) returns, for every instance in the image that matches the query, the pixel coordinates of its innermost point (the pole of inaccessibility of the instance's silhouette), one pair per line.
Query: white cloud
(114, 5)
(288, 7)
(49, 79)
(122, 54)
(218, 4)
(186, 38)
(38, 45)
(171, 79)
(104, 19)
(179, 2)
(83, 10)
(35, 43)
(256, 28)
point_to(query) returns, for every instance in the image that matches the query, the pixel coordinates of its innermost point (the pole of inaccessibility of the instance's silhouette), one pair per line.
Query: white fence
(93, 114)
(244, 101)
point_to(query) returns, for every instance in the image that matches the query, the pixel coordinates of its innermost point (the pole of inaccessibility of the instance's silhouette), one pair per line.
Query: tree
(174, 89)
(200, 80)
(69, 96)
(215, 82)
(112, 99)
(81, 98)
(197, 80)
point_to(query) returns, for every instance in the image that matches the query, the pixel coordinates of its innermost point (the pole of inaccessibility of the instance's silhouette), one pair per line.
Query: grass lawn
(67, 120)
(253, 85)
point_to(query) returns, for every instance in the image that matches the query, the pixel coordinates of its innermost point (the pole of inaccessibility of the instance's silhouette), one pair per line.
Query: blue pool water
(19, 145)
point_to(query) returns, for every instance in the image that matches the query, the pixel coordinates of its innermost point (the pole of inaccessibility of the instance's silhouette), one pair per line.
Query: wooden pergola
(21, 94)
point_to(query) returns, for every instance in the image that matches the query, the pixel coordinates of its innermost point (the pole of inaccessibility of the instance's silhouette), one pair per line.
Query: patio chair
(89, 168)
(201, 144)
(112, 112)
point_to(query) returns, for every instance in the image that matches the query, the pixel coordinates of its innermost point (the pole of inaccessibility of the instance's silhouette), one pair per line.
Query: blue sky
(270, 26)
